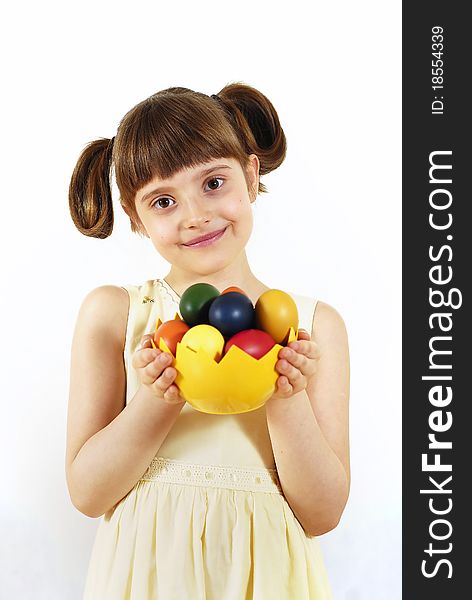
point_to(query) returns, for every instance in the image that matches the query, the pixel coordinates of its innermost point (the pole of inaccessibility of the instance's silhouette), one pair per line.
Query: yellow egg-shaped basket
(238, 383)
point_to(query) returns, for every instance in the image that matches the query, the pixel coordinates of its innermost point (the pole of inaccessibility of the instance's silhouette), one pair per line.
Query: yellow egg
(205, 337)
(275, 312)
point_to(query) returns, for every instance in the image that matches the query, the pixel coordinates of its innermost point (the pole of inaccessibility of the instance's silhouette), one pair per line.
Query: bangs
(169, 132)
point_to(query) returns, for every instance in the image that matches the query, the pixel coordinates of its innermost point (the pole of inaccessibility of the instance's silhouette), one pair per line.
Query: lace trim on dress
(167, 291)
(235, 478)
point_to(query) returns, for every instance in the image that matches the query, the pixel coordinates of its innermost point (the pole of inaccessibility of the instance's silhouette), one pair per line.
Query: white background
(329, 228)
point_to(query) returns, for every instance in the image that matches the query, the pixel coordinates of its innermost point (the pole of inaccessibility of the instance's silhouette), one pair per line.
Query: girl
(198, 506)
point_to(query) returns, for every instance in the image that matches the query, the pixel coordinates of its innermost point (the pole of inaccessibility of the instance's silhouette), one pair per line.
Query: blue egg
(231, 313)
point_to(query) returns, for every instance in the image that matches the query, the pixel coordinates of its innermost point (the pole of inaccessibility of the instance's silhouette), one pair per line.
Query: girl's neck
(234, 275)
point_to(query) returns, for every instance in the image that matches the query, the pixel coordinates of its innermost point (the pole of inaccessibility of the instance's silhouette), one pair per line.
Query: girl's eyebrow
(197, 176)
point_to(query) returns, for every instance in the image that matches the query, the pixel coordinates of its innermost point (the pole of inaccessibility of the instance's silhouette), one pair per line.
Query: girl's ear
(124, 208)
(253, 176)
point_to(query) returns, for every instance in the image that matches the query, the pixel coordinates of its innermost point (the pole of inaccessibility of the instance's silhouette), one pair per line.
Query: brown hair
(171, 130)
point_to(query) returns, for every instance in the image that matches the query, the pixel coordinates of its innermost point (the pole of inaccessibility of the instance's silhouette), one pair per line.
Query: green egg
(195, 303)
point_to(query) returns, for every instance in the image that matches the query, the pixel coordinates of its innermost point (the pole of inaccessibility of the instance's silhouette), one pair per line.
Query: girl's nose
(196, 214)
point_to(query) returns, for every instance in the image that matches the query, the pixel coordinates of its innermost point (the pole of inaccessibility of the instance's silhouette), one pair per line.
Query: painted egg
(234, 288)
(253, 341)
(204, 337)
(171, 332)
(275, 312)
(196, 301)
(231, 312)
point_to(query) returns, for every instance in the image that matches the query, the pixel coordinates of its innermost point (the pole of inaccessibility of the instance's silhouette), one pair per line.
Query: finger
(155, 368)
(303, 334)
(292, 356)
(161, 384)
(296, 360)
(164, 380)
(146, 341)
(141, 358)
(309, 349)
(292, 373)
(306, 364)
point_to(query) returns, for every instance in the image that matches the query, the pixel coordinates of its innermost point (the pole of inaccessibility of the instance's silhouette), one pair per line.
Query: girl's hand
(155, 371)
(298, 362)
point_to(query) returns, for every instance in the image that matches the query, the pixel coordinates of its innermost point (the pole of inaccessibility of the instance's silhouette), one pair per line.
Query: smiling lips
(206, 240)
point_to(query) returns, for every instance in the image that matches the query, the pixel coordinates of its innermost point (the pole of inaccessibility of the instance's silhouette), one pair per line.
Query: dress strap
(133, 292)
(306, 311)
(144, 307)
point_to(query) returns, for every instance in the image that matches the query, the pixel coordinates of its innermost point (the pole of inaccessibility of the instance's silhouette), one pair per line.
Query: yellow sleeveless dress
(208, 519)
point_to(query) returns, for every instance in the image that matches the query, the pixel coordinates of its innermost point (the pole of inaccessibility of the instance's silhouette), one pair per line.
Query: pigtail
(257, 124)
(90, 200)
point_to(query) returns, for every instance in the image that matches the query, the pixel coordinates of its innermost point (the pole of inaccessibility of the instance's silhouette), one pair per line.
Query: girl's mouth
(208, 242)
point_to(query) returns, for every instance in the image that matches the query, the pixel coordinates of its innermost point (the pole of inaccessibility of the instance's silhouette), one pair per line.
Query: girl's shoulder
(104, 311)
(328, 323)
(113, 309)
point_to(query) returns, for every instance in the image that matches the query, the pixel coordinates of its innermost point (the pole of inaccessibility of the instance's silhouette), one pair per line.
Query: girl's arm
(109, 445)
(310, 431)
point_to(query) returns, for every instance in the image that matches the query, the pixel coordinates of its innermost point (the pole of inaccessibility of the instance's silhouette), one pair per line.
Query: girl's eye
(164, 199)
(213, 183)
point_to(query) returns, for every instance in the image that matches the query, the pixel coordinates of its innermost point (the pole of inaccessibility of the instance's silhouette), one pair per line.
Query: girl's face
(212, 198)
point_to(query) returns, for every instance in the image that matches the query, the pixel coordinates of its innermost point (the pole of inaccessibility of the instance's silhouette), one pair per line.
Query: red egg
(253, 341)
(172, 332)
(233, 288)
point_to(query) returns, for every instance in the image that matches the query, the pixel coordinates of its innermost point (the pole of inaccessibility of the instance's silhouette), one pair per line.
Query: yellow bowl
(238, 383)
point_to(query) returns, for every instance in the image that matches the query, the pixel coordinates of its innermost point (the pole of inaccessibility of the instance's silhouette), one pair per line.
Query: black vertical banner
(437, 259)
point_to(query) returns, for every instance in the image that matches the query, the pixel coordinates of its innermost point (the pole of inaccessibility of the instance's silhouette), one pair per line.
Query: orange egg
(233, 288)
(275, 312)
(172, 332)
